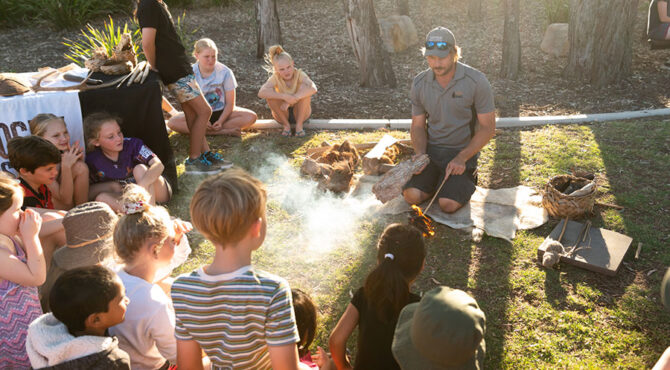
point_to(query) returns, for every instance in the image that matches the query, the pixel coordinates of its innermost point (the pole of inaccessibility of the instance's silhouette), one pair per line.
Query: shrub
(187, 37)
(557, 11)
(108, 36)
(58, 13)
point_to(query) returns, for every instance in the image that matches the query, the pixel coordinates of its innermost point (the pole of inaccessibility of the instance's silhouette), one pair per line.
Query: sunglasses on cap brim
(440, 45)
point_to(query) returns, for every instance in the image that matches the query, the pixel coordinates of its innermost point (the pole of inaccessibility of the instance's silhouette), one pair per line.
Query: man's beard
(443, 71)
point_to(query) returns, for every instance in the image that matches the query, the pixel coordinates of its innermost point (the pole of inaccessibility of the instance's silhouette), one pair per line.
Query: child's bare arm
(284, 357)
(34, 271)
(267, 91)
(338, 338)
(189, 355)
(307, 88)
(153, 173)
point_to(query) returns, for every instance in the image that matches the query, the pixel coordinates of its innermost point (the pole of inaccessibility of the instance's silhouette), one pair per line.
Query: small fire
(421, 221)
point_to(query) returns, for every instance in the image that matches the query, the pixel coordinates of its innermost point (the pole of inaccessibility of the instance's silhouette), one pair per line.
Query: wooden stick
(565, 223)
(446, 176)
(609, 205)
(639, 249)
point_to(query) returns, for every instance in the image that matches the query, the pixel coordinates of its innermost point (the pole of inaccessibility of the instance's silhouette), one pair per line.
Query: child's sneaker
(217, 160)
(199, 165)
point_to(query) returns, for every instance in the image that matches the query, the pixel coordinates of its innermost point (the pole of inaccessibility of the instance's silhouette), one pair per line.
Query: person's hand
(322, 359)
(456, 166)
(414, 157)
(290, 99)
(181, 227)
(216, 126)
(30, 223)
(71, 155)
(284, 106)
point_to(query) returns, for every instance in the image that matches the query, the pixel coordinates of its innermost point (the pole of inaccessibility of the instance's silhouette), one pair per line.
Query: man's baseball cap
(439, 42)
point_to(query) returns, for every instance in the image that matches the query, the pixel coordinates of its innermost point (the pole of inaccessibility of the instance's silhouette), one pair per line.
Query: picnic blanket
(499, 212)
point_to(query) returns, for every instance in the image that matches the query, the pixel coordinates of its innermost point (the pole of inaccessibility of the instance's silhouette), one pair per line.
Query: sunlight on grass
(536, 318)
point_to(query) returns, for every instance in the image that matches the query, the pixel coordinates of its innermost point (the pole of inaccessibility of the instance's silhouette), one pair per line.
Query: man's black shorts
(458, 187)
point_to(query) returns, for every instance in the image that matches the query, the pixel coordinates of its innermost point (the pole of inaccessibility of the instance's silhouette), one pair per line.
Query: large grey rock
(555, 41)
(398, 33)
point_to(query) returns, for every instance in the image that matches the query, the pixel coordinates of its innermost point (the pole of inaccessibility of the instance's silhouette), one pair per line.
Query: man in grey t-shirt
(447, 100)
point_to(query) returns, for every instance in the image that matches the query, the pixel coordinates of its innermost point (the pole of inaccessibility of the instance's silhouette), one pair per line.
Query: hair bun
(131, 208)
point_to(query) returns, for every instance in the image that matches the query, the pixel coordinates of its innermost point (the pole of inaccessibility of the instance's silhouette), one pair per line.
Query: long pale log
(390, 185)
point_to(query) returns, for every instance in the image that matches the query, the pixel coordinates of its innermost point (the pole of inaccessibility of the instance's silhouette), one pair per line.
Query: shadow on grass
(493, 257)
(636, 156)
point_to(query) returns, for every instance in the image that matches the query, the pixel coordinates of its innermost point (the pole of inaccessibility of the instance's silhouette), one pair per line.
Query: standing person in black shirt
(375, 307)
(167, 55)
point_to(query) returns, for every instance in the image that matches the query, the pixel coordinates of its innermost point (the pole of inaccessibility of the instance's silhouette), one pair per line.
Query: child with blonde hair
(218, 84)
(22, 270)
(240, 316)
(375, 307)
(145, 238)
(71, 186)
(114, 161)
(288, 91)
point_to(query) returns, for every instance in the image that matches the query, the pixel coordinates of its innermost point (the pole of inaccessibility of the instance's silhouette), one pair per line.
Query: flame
(420, 221)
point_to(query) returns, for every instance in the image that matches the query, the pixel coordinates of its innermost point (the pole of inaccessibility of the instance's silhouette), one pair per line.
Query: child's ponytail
(275, 52)
(400, 256)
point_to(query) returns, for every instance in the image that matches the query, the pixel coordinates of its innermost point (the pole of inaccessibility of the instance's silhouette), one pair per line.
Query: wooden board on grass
(602, 251)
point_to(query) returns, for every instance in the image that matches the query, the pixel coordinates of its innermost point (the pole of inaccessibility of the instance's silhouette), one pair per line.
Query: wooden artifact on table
(122, 60)
(569, 196)
(390, 185)
(588, 247)
(334, 168)
(381, 157)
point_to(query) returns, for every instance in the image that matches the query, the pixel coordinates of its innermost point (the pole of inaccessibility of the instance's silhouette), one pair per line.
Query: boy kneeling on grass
(85, 301)
(241, 317)
(36, 161)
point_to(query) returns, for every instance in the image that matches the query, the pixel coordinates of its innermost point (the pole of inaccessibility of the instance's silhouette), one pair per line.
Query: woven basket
(562, 205)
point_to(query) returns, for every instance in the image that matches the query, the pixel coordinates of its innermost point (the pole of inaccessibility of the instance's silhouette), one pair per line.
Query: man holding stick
(447, 101)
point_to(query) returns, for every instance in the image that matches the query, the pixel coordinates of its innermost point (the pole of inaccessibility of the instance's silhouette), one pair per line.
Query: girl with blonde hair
(218, 84)
(71, 186)
(288, 91)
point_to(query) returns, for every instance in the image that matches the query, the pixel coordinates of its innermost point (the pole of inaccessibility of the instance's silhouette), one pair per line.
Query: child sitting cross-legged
(375, 307)
(114, 161)
(240, 316)
(85, 302)
(145, 238)
(36, 161)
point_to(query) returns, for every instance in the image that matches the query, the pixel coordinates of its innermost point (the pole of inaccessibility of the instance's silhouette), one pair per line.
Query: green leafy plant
(58, 13)
(107, 37)
(187, 37)
(557, 11)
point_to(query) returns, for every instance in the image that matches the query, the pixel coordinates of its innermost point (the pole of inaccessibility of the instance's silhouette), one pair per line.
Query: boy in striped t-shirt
(241, 317)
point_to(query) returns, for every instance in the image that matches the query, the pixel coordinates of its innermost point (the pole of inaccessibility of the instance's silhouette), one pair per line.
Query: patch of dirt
(315, 35)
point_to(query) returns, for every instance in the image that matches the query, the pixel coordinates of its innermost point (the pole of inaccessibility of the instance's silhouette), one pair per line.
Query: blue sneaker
(217, 160)
(199, 165)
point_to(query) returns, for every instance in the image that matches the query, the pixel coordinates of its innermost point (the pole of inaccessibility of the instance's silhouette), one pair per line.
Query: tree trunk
(600, 37)
(268, 32)
(402, 7)
(475, 10)
(373, 61)
(511, 56)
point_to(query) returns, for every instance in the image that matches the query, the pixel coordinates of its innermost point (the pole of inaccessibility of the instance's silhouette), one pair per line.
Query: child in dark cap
(445, 330)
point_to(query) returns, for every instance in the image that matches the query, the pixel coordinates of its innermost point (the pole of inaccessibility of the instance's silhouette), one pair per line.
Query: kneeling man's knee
(449, 205)
(412, 195)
